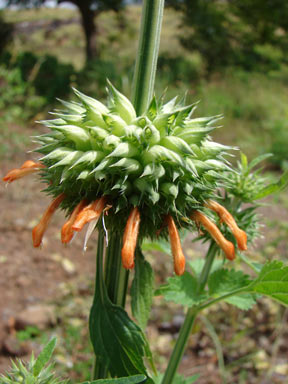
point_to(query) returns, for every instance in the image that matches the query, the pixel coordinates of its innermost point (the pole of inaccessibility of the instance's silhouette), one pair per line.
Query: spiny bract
(164, 161)
(23, 373)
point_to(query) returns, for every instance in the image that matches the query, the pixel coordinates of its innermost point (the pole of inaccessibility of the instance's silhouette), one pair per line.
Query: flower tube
(40, 228)
(226, 246)
(177, 252)
(130, 238)
(228, 219)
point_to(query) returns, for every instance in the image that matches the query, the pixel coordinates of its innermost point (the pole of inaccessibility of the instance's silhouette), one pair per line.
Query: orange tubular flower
(91, 212)
(228, 219)
(67, 231)
(17, 173)
(226, 246)
(130, 239)
(40, 228)
(177, 252)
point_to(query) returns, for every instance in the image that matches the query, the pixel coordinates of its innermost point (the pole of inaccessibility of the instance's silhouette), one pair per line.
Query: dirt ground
(31, 276)
(28, 275)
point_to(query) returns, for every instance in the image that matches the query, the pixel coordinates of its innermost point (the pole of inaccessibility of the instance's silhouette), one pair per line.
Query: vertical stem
(191, 315)
(148, 48)
(116, 281)
(99, 369)
(116, 277)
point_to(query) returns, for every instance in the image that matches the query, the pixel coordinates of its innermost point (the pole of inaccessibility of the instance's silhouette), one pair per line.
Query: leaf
(224, 281)
(198, 264)
(121, 380)
(161, 246)
(178, 379)
(244, 301)
(273, 187)
(117, 341)
(142, 290)
(273, 282)
(44, 357)
(258, 160)
(181, 290)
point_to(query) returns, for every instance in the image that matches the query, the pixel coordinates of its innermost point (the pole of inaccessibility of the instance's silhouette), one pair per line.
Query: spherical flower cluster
(147, 174)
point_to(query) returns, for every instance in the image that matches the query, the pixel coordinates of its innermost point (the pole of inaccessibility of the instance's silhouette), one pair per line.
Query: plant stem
(116, 277)
(147, 56)
(116, 281)
(99, 369)
(191, 315)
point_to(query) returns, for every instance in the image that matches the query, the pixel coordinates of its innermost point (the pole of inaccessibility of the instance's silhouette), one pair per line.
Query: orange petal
(26, 168)
(228, 219)
(40, 228)
(31, 164)
(130, 239)
(91, 212)
(177, 252)
(226, 246)
(67, 231)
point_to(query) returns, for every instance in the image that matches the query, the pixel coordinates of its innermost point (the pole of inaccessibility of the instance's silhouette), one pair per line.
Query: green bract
(164, 162)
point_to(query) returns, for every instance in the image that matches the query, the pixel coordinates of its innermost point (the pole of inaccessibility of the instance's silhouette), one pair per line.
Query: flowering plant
(149, 169)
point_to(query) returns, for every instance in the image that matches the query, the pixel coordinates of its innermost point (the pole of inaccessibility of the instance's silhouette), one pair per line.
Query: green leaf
(178, 379)
(181, 290)
(224, 281)
(273, 282)
(259, 160)
(244, 301)
(273, 187)
(121, 380)
(44, 357)
(117, 341)
(142, 289)
(198, 264)
(161, 246)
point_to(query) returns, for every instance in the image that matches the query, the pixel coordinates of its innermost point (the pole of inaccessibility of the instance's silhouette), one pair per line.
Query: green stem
(116, 277)
(237, 291)
(148, 48)
(191, 315)
(99, 369)
(116, 281)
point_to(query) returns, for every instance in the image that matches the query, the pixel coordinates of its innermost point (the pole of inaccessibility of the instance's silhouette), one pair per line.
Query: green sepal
(129, 165)
(124, 150)
(120, 104)
(176, 144)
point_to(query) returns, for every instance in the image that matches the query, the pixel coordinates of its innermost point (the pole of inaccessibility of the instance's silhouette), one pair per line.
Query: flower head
(154, 170)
